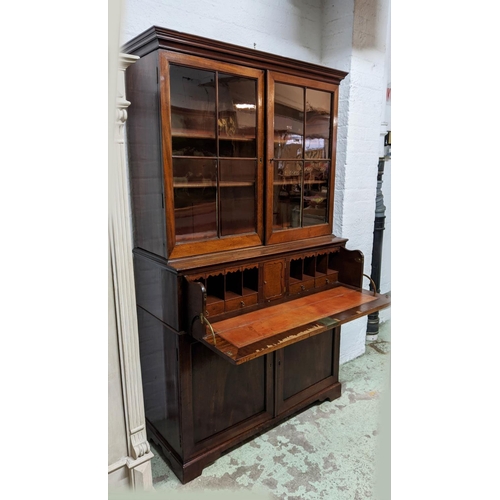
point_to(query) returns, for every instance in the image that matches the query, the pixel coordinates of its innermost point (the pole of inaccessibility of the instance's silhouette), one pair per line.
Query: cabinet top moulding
(245, 255)
(161, 38)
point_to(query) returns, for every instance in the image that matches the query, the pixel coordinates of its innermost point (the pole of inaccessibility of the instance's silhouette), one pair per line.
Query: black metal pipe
(378, 237)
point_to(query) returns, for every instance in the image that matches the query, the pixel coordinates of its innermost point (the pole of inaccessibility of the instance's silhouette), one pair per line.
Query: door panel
(273, 279)
(306, 368)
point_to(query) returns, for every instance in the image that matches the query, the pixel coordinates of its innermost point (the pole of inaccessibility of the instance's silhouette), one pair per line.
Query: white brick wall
(283, 27)
(350, 35)
(354, 39)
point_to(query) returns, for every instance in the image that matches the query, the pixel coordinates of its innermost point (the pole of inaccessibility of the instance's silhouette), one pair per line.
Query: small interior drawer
(241, 302)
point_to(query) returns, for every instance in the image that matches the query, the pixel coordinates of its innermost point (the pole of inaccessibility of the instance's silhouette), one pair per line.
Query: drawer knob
(302, 287)
(327, 281)
(242, 304)
(206, 313)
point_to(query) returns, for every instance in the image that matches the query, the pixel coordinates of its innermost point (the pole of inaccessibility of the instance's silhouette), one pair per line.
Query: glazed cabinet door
(212, 123)
(301, 132)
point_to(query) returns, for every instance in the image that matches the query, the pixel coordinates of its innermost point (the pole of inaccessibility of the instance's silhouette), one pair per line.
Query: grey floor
(333, 450)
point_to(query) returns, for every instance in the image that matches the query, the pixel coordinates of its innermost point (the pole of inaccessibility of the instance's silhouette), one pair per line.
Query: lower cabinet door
(225, 399)
(306, 369)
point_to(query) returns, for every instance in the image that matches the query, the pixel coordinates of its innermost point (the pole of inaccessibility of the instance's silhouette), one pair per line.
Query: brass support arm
(205, 321)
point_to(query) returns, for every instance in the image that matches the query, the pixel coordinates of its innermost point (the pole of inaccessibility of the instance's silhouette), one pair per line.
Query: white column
(138, 461)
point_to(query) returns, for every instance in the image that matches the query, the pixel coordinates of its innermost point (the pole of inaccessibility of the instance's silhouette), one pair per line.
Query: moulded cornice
(161, 38)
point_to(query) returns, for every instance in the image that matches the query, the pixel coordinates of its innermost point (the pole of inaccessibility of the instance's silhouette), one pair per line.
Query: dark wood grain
(269, 155)
(157, 291)
(158, 356)
(273, 275)
(307, 363)
(276, 299)
(254, 254)
(161, 38)
(165, 116)
(145, 160)
(192, 467)
(349, 264)
(333, 145)
(219, 400)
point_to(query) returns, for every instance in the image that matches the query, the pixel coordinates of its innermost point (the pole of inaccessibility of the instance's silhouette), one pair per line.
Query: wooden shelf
(244, 138)
(292, 183)
(202, 184)
(236, 183)
(201, 134)
(187, 184)
(194, 134)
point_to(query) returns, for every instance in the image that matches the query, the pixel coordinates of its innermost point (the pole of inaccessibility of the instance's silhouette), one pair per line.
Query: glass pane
(195, 201)
(186, 146)
(238, 196)
(288, 121)
(316, 176)
(318, 105)
(287, 190)
(192, 104)
(237, 119)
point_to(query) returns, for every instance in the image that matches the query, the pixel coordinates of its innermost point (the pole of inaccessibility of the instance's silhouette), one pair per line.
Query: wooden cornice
(161, 38)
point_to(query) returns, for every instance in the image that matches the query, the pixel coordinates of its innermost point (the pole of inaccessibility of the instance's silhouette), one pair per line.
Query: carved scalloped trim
(195, 277)
(249, 266)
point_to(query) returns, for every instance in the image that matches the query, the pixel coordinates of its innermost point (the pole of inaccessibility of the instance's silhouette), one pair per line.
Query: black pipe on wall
(378, 237)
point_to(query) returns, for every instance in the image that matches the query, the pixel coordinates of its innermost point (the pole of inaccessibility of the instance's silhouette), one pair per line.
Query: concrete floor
(337, 450)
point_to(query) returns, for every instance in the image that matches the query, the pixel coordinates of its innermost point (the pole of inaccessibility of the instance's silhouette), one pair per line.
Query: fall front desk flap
(253, 334)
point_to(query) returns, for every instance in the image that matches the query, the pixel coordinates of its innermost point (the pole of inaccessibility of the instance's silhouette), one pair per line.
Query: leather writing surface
(252, 327)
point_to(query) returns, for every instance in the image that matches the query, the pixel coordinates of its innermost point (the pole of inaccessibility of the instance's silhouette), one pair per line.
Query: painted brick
(274, 27)
(352, 342)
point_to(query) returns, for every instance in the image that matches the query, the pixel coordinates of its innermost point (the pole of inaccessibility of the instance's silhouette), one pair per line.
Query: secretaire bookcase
(241, 285)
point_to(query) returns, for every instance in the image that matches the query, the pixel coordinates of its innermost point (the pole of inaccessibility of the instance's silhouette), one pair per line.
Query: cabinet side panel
(158, 349)
(157, 291)
(144, 155)
(349, 264)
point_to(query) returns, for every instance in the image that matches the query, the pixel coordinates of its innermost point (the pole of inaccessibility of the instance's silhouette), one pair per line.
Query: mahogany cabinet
(241, 286)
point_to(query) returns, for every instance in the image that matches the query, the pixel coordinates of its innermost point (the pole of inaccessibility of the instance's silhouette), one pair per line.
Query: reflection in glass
(185, 146)
(287, 194)
(301, 187)
(288, 121)
(192, 104)
(237, 115)
(316, 180)
(318, 105)
(195, 200)
(237, 196)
